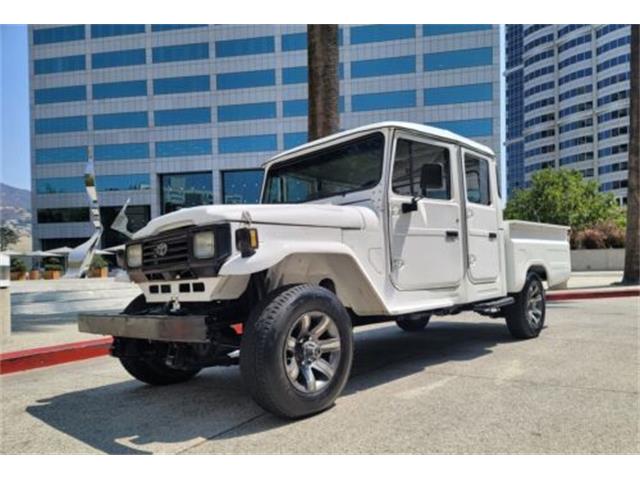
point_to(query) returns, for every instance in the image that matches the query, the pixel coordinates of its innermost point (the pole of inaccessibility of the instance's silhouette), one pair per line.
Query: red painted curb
(11, 362)
(586, 295)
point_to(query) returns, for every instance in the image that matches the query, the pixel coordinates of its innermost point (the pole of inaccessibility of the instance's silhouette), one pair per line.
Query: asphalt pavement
(461, 386)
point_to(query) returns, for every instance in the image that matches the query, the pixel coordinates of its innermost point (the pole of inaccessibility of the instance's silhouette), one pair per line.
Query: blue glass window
(383, 66)
(293, 139)
(429, 30)
(295, 108)
(121, 151)
(472, 57)
(135, 88)
(177, 53)
(110, 121)
(242, 186)
(106, 30)
(163, 27)
(478, 92)
(130, 181)
(182, 116)
(383, 100)
(60, 94)
(244, 46)
(255, 78)
(61, 124)
(121, 58)
(58, 34)
(181, 190)
(477, 127)
(246, 111)
(60, 185)
(292, 75)
(381, 33)
(61, 155)
(59, 64)
(294, 41)
(249, 143)
(184, 148)
(197, 83)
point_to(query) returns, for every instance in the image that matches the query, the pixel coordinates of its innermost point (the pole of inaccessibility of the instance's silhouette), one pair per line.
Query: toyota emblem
(161, 249)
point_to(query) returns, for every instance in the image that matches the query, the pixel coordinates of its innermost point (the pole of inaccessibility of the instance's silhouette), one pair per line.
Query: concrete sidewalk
(44, 312)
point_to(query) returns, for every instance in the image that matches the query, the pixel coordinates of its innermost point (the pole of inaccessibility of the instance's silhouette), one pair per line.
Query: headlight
(203, 245)
(134, 255)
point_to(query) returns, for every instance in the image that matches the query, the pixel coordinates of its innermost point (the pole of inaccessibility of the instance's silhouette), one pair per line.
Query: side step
(493, 306)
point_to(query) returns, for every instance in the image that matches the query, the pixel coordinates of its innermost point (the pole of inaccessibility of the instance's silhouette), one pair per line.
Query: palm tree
(323, 53)
(632, 249)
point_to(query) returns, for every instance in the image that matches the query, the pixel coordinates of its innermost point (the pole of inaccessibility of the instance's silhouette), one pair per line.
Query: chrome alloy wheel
(535, 306)
(312, 352)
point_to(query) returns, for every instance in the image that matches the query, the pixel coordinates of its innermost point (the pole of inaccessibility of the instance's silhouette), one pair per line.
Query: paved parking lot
(461, 386)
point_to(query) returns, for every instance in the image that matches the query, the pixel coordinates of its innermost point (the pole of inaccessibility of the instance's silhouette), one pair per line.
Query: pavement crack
(219, 434)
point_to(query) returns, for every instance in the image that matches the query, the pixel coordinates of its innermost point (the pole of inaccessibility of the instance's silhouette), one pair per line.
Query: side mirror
(431, 177)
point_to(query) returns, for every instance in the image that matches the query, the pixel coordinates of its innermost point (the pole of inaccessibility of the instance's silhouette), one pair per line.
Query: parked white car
(387, 222)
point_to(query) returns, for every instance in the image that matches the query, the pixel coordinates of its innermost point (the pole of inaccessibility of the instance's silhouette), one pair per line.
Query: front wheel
(297, 350)
(525, 318)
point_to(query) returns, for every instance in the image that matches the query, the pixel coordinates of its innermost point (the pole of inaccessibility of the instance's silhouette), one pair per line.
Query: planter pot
(18, 276)
(34, 275)
(100, 272)
(52, 274)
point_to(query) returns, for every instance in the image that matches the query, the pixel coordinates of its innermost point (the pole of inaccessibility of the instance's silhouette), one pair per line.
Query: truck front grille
(166, 251)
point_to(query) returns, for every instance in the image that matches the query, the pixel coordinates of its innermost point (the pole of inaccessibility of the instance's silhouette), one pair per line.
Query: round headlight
(134, 255)
(203, 245)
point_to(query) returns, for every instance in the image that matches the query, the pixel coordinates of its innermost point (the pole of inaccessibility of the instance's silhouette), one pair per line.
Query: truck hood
(310, 215)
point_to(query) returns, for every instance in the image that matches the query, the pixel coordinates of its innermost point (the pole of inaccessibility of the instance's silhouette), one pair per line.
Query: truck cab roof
(439, 133)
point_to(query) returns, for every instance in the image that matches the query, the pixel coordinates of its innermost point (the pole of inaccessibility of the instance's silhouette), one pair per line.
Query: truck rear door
(482, 218)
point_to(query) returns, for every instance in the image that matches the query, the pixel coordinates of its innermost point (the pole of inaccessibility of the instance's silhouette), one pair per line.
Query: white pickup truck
(387, 222)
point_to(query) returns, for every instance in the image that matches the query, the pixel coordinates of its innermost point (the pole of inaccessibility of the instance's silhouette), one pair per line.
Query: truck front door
(424, 215)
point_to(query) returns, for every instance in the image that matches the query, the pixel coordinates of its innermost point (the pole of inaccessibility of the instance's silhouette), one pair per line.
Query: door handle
(492, 235)
(452, 234)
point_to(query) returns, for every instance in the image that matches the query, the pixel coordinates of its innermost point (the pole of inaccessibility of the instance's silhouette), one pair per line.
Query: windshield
(338, 170)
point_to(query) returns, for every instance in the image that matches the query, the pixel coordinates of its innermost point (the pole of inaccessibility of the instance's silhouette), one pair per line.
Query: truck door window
(477, 180)
(421, 170)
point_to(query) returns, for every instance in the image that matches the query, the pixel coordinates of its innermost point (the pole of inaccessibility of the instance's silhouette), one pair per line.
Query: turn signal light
(247, 241)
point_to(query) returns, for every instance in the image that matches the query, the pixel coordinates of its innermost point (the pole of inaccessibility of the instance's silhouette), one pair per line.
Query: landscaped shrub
(98, 262)
(53, 265)
(607, 234)
(614, 234)
(590, 238)
(18, 266)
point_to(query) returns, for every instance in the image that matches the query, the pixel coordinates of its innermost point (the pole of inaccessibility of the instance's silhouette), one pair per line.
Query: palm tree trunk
(632, 249)
(324, 86)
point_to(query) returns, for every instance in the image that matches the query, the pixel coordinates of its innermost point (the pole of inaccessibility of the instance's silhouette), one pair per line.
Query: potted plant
(52, 269)
(99, 267)
(18, 269)
(34, 274)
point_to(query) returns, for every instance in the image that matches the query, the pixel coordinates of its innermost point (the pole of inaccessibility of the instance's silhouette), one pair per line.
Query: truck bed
(529, 244)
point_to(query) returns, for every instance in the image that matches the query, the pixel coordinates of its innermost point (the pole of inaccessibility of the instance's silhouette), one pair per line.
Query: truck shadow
(131, 418)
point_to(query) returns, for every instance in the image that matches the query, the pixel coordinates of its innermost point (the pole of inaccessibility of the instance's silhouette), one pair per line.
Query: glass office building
(568, 102)
(183, 115)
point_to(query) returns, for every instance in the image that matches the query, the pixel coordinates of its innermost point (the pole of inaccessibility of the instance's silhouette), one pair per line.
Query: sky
(14, 107)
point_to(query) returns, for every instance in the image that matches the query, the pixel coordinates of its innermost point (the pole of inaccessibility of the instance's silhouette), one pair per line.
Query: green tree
(7, 236)
(322, 58)
(563, 197)
(632, 252)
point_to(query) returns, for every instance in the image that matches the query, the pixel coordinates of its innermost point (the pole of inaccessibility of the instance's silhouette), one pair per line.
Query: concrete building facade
(182, 115)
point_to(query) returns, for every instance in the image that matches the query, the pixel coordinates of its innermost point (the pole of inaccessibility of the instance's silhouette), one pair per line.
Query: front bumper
(167, 328)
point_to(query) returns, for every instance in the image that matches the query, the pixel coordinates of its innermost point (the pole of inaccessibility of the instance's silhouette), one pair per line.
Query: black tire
(153, 372)
(264, 347)
(413, 323)
(521, 321)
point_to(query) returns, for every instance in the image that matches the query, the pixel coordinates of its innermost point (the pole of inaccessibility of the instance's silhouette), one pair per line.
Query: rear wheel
(413, 323)
(297, 350)
(525, 318)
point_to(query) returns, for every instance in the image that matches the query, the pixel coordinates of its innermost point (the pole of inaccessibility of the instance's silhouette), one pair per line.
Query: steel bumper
(168, 328)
